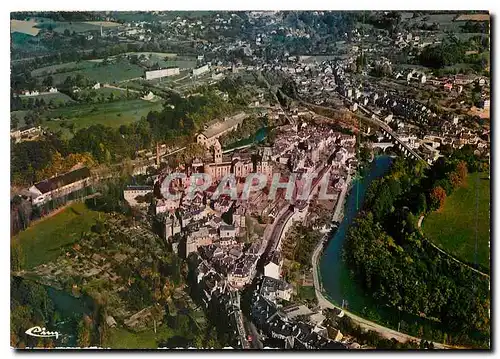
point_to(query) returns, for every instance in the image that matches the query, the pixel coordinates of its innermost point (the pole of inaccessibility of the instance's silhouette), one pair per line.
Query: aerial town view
(294, 180)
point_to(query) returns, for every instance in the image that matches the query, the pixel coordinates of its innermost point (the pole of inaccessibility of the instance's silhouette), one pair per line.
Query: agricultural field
(474, 17)
(453, 227)
(60, 26)
(110, 73)
(43, 242)
(103, 23)
(65, 67)
(112, 114)
(121, 338)
(24, 27)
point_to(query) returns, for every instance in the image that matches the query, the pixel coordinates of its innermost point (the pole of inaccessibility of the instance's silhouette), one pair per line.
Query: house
(26, 134)
(201, 237)
(130, 194)
(97, 86)
(273, 289)
(448, 86)
(149, 96)
(296, 311)
(273, 267)
(485, 104)
(228, 231)
(60, 186)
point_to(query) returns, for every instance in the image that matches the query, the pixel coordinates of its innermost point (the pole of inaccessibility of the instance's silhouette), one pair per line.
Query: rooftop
(54, 183)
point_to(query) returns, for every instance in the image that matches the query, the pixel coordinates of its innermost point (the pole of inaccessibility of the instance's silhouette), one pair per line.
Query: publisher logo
(41, 333)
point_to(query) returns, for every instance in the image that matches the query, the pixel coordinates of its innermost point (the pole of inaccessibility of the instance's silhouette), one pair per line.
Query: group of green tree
(299, 245)
(181, 118)
(397, 266)
(452, 51)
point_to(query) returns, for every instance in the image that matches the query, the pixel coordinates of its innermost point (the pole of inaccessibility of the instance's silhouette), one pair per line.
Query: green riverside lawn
(44, 241)
(453, 227)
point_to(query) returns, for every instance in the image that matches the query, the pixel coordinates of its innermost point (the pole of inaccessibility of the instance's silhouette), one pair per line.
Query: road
(255, 342)
(119, 88)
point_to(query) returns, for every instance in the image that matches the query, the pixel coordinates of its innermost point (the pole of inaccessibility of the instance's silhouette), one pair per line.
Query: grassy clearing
(112, 114)
(44, 241)
(306, 293)
(121, 338)
(453, 228)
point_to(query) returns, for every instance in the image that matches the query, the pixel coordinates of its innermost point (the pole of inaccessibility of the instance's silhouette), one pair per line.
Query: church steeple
(217, 152)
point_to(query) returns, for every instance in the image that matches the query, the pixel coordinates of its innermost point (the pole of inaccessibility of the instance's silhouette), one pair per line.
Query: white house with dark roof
(60, 186)
(273, 267)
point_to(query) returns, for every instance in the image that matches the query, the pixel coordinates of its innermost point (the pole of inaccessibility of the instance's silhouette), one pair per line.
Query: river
(332, 268)
(258, 137)
(337, 284)
(336, 281)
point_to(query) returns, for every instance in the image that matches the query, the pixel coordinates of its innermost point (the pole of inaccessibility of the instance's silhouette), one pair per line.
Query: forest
(395, 264)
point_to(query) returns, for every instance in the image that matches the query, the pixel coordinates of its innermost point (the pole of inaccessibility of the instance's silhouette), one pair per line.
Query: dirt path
(420, 220)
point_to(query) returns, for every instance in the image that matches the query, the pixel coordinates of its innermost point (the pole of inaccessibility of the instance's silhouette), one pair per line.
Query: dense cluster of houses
(296, 325)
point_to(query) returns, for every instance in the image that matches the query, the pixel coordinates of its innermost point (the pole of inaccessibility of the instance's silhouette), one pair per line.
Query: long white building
(156, 74)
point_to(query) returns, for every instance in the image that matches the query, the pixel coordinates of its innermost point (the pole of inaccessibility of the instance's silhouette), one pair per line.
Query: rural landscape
(295, 180)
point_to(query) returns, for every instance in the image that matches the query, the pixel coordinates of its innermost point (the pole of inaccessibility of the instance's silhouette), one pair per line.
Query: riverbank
(335, 287)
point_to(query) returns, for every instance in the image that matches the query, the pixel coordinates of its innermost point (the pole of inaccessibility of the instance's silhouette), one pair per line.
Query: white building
(60, 186)
(200, 70)
(156, 74)
(273, 267)
(131, 193)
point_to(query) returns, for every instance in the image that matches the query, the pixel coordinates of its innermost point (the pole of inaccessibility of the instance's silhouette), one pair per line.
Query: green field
(57, 98)
(121, 338)
(453, 228)
(306, 293)
(43, 242)
(60, 26)
(67, 66)
(112, 114)
(112, 72)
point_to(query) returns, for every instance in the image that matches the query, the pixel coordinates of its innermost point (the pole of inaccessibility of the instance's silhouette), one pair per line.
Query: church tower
(217, 152)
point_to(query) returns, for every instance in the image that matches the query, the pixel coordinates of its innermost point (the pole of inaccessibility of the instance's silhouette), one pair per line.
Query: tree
(437, 197)
(17, 255)
(462, 171)
(84, 333)
(14, 122)
(48, 81)
(455, 179)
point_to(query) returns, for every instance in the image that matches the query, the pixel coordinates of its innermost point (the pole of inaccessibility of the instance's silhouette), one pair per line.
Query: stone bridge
(405, 149)
(382, 145)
